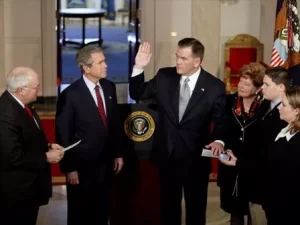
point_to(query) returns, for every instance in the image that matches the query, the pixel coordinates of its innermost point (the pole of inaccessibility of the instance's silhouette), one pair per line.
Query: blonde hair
(293, 97)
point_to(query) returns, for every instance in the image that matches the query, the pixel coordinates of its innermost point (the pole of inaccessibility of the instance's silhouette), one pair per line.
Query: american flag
(286, 49)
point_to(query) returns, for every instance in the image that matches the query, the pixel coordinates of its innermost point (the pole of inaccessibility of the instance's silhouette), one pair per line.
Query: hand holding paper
(209, 153)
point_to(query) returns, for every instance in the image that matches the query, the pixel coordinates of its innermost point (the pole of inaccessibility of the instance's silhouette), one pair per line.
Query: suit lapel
(174, 96)
(37, 119)
(196, 96)
(107, 99)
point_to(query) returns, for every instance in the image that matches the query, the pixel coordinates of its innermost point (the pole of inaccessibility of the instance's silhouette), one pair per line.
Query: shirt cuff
(136, 72)
(221, 142)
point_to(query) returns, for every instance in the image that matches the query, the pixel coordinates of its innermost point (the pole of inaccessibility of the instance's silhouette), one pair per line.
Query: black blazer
(184, 139)
(243, 139)
(282, 182)
(78, 118)
(270, 126)
(24, 170)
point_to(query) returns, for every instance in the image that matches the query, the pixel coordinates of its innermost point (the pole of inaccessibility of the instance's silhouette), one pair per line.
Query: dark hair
(293, 97)
(197, 46)
(279, 75)
(255, 72)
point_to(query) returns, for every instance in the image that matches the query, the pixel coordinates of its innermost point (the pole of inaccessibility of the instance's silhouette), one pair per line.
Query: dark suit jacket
(271, 125)
(24, 170)
(78, 118)
(184, 140)
(282, 184)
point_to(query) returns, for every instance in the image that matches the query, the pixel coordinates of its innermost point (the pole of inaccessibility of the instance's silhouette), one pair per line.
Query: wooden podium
(135, 194)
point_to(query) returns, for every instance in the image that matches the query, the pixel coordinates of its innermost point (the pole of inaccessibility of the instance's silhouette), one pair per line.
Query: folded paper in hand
(72, 146)
(208, 153)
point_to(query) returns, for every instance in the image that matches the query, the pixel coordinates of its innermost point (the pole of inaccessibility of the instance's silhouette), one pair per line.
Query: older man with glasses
(25, 153)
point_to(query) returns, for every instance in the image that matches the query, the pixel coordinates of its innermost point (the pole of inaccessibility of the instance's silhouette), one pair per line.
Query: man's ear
(197, 62)
(20, 90)
(86, 69)
(282, 87)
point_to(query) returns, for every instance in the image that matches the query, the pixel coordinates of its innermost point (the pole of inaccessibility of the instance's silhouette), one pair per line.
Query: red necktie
(29, 111)
(100, 105)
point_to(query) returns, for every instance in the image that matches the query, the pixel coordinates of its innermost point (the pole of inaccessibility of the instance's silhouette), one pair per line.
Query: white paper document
(72, 146)
(208, 153)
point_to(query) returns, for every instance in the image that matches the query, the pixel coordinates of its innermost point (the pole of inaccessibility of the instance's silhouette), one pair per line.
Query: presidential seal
(139, 126)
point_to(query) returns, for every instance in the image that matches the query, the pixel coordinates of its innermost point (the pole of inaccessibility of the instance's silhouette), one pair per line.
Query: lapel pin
(109, 97)
(202, 89)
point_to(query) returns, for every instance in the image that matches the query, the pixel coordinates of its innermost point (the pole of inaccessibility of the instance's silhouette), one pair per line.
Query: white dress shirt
(285, 133)
(192, 83)
(275, 103)
(91, 86)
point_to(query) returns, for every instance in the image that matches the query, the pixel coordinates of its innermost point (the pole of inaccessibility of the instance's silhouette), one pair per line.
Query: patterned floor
(56, 211)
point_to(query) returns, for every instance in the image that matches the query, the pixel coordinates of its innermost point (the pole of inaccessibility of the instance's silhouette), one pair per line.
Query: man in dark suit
(87, 111)
(25, 153)
(190, 101)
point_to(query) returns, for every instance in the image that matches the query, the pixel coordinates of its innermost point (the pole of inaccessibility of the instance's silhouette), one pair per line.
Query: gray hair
(83, 56)
(18, 77)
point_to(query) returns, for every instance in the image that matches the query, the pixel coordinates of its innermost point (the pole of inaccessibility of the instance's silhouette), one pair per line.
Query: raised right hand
(73, 178)
(143, 56)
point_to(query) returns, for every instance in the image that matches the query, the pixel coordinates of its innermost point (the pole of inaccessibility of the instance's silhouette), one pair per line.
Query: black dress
(242, 138)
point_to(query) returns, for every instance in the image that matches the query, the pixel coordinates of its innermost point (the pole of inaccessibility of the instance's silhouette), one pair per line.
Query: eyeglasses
(37, 88)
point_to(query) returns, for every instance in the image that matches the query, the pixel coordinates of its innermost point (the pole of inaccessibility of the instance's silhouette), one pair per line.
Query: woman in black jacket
(245, 109)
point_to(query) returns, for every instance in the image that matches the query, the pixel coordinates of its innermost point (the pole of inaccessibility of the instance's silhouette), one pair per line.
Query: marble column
(49, 49)
(267, 24)
(27, 38)
(206, 28)
(22, 33)
(165, 22)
